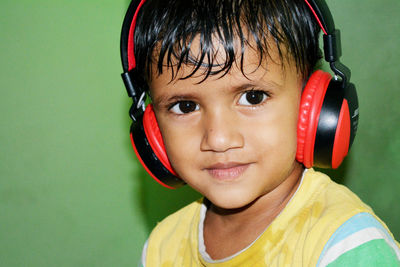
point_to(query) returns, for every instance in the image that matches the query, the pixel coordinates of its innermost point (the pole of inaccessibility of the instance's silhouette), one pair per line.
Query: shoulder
(324, 204)
(173, 235)
(362, 240)
(183, 218)
(327, 208)
(334, 198)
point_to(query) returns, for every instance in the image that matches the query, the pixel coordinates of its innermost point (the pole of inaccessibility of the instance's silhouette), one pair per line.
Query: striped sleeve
(360, 241)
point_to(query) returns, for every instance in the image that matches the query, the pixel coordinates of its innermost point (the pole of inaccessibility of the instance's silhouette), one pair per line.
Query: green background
(71, 191)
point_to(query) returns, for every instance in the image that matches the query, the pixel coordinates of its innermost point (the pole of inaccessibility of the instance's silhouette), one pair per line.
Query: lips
(227, 171)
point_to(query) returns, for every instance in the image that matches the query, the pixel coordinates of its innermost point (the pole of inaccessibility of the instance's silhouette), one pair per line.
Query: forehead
(246, 70)
(198, 66)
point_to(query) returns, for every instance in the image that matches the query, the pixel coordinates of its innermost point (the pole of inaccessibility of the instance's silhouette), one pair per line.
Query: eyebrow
(268, 85)
(165, 100)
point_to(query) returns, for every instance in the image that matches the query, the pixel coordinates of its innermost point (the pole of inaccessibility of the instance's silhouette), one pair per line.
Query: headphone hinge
(342, 71)
(332, 46)
(136, 88)
(129, 84)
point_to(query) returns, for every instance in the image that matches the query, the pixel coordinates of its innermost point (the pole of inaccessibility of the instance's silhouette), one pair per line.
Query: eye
(184, 107)
(252, 97)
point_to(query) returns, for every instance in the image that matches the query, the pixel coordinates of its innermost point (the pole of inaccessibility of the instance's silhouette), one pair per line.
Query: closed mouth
(227, 171)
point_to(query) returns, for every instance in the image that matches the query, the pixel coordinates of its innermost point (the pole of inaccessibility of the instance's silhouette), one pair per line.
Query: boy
(225, 78)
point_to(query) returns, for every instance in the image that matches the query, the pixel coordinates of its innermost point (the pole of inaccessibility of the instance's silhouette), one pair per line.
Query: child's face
(226, 141)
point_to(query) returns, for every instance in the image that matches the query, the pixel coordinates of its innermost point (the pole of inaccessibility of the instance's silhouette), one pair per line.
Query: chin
(231, 201)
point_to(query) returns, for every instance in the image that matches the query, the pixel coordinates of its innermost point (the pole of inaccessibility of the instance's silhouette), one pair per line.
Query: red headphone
(328, 115)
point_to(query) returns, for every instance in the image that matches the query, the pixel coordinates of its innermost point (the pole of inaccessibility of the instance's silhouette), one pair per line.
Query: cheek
(277, 142)
(173, 141)
(179, 145)
(276, 136)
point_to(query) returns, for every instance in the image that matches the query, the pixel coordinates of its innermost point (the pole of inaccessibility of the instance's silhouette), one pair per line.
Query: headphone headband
(319, 8)
(322, 14)
(127, 36)
(332, 42)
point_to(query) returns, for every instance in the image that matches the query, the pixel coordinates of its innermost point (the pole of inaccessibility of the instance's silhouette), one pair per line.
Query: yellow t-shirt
(296, 237)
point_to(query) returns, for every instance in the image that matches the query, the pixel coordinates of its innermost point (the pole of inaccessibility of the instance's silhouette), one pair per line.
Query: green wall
(71, 191)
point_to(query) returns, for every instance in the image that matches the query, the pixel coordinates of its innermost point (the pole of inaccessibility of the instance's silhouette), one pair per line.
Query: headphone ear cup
(149, 147)
(341, 143)
(324, 126)
(154, 137)
(310, 106)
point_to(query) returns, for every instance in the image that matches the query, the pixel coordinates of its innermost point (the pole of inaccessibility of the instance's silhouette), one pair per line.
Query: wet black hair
(166, 30)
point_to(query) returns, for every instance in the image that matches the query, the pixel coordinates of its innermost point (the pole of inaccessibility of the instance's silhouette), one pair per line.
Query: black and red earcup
(149, 148)
(324, 130)
(145, 134)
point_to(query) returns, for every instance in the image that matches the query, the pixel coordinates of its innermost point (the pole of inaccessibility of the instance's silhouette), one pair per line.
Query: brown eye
(184, 107)
(252, 97)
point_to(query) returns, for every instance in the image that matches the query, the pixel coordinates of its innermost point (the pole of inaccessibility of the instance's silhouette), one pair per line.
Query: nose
(221, 131)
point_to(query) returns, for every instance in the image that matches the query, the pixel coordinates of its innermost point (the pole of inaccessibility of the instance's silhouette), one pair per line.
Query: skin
(239, 154)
